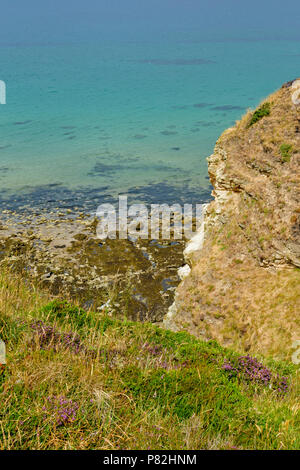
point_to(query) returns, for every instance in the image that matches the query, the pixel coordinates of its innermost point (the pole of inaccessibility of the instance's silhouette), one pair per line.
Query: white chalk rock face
(296, 84)
(184, 271)
(296, 94)
(196, 242)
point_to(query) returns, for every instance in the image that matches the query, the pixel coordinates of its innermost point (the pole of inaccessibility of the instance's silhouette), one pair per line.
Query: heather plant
(61, 411)
(251, 370)
(162, 359)
(47, 336)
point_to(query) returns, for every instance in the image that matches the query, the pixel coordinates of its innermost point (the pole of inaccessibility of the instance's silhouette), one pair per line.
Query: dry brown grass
(18, 296)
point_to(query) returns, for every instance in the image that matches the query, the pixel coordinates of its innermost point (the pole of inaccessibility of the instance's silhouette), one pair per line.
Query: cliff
(243, 289)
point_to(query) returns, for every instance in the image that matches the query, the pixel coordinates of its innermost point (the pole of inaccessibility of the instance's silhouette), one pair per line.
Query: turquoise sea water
(86, 122)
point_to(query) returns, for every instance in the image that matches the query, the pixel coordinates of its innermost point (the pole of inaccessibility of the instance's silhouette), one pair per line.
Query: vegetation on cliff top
(263, 111)
(83, 380)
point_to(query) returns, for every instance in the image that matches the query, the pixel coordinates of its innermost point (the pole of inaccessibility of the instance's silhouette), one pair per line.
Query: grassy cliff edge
(83, 380)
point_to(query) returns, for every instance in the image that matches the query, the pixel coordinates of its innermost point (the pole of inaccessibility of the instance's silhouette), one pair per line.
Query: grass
(286, 152)
(127, 385)
(263, 111)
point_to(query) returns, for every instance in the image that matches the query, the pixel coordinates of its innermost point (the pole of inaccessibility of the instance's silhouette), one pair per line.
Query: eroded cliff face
(244, 286)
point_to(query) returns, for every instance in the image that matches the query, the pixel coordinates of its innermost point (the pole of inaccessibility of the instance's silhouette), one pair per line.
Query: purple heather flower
(254, 371)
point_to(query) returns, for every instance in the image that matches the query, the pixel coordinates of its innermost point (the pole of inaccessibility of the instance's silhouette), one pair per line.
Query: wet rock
(64, 255)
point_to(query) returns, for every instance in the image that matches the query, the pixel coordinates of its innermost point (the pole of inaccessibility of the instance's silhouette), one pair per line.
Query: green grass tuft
(286, 152)
(263, 111)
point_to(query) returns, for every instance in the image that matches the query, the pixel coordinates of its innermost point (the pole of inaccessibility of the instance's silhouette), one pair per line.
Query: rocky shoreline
(60, 252)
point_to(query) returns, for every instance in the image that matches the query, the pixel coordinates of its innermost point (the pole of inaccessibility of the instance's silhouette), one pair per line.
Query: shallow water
(86, 122)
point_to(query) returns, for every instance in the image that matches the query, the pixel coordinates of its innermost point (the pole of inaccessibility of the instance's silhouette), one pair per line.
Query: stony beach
(61, 252)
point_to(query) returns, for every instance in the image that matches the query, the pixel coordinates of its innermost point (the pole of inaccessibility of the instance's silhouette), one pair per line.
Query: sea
(87, 121)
